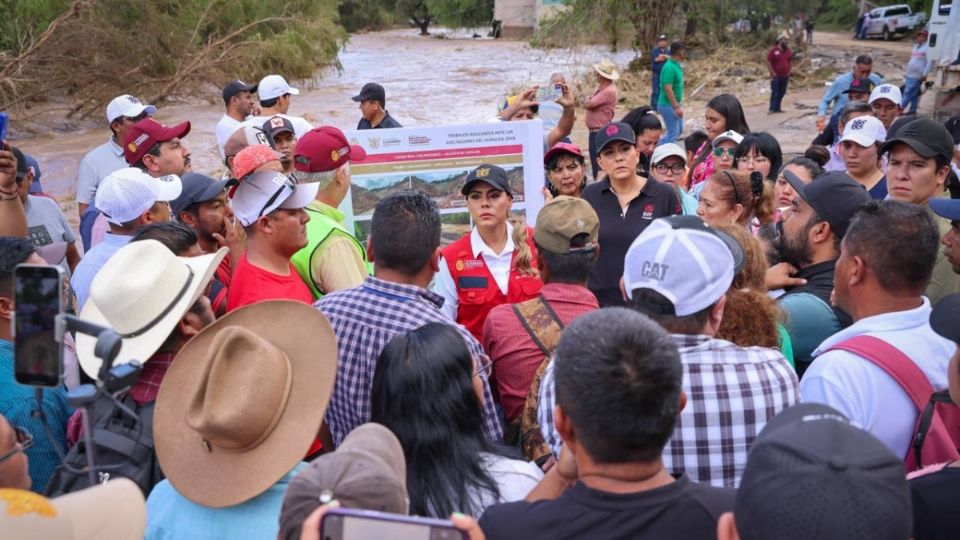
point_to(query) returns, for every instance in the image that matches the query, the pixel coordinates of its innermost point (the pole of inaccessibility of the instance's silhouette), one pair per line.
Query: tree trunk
(690, 28)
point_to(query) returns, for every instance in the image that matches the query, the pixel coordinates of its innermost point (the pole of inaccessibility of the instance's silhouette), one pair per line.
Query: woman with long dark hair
(427, 390)
(761, 152)
(724, 113)
(648, 130)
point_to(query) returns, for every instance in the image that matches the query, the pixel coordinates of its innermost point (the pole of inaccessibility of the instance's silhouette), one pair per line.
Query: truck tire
(886, 33)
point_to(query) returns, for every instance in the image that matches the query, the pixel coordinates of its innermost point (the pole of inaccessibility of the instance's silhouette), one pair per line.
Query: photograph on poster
(436, 161)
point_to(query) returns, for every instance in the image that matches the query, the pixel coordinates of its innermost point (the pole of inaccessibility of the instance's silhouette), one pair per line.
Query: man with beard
(809, 239)
(202, 206)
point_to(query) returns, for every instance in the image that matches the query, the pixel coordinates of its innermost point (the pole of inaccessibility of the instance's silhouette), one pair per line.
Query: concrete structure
(521, 18)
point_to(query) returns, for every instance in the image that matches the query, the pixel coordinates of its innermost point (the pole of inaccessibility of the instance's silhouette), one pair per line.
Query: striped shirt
(732, 392)
(365, 319)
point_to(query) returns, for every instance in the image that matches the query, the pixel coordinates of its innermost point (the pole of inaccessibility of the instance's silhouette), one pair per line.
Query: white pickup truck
(893, 21)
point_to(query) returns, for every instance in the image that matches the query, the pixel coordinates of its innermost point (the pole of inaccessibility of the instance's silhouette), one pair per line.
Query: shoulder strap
(541, 322)
(895, 363)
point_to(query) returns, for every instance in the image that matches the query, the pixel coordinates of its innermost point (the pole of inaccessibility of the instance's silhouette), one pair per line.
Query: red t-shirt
(780, 60)
(250, 284)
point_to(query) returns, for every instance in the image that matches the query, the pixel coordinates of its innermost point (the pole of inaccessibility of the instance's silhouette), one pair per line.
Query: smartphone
(551, 92)
(38, 299)
(352, 524)
(4, 121)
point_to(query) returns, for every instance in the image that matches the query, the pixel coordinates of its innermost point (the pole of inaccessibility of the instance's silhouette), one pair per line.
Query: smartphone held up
(38, 299)
(350, 524)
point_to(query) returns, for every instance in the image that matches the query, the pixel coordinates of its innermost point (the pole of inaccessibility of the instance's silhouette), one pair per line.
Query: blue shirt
(17, 404)
(657, 51)
(92, 262)
(837, 89)
(688, 202)
(170, 515)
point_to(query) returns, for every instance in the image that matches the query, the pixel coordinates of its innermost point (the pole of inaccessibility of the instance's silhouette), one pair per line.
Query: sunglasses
(484, 366)
(718, 152)
(137, 118)
(24, 441)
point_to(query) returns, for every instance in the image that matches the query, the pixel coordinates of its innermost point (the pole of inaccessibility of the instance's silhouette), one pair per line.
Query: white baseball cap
(129, 106)
(683, 259)
(886, 91)
(664, 151)
(728, 135)
(274, 86)
(864, 130)
(126, 194)
(261, 193)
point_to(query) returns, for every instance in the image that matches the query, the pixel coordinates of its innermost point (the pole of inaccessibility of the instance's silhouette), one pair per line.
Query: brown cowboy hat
(243, 400)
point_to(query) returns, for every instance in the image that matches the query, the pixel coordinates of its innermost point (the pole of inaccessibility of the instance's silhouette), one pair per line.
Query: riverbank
(451, 80)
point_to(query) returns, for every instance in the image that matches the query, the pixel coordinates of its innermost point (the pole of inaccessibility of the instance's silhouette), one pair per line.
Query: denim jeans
(778, 89)
(911, 95)
(655, 91)
(592, 148)
(672, 122)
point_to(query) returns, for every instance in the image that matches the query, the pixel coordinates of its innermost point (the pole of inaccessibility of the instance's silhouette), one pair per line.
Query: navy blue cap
(196, 188)
(490, 174)
(615, 131)
(946, 208)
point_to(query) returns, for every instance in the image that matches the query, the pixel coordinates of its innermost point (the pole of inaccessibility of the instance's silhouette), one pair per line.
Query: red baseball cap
(144, 134)
(562, 147)
(324, 149)
(250, 159)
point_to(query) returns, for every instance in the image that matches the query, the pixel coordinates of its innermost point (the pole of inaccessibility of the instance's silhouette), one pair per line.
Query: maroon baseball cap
(562, 147)
(324, 149)
(144, 134)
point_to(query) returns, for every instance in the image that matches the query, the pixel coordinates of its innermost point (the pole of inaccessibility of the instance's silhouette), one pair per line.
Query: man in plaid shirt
(731, 391)
(405, 246)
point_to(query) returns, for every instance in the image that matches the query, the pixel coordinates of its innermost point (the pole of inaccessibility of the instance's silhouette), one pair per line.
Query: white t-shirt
(225, 128)
(514, 477)
(863, 392)
(497, 263)
(300, 126)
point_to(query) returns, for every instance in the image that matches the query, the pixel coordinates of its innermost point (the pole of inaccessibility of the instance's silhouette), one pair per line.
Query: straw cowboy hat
(243, 400)
(142, 292)
(607, 69)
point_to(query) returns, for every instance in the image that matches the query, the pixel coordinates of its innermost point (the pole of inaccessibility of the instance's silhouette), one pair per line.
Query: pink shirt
(600, 106)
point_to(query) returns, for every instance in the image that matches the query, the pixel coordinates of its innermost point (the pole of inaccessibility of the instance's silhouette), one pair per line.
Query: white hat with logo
(260, 193)
(683, 259)
(129, 106)
(274, 86)
(886, 91)
(864, 130)
(728, 135)
(126, 194)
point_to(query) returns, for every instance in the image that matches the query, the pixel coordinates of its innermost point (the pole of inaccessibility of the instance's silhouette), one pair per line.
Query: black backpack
(124, 449)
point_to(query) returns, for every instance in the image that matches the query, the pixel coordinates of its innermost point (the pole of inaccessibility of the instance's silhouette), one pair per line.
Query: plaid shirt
(364, 319)
(731, 394)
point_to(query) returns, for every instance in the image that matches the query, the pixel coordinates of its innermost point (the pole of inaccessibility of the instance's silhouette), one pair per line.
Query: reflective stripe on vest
(477, 290)
(319, 229)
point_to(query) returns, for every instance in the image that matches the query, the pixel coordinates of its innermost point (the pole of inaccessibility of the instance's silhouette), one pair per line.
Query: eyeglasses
(756, 160)
(663, 168)
(24, 441)
(718, 152)
(484, 366)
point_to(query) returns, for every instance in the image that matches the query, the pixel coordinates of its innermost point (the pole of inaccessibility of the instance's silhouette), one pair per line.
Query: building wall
(520, 18)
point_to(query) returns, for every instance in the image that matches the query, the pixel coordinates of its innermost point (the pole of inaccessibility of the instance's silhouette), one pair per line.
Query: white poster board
(436, 160)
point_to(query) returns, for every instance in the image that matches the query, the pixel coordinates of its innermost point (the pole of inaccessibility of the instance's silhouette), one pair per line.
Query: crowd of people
(699, 337)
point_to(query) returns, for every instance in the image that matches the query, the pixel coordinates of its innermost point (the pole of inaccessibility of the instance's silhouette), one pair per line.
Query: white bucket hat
(142, 292)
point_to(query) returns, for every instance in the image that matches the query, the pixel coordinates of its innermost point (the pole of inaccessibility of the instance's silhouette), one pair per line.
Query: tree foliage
(101, 48)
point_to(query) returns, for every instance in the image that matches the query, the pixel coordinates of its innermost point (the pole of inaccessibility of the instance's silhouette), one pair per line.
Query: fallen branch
(15, 65)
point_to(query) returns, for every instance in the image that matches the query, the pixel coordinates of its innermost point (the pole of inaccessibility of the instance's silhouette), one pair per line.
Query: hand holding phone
(551, 92)
(38, 299)
(4, 121)
(350, 524)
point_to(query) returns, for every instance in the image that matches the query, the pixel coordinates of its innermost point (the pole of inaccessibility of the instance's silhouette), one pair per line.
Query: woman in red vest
(494, 263)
